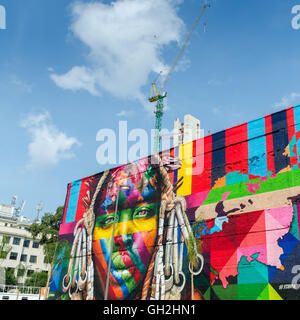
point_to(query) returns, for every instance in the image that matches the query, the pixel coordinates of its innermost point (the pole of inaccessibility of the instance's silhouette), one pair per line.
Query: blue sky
(69, 69)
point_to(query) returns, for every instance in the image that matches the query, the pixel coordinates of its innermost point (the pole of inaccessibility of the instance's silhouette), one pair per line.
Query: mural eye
(107, 221)
(142, 213)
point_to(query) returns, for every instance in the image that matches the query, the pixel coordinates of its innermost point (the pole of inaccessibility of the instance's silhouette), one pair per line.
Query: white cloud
(77, 78)
(125, 41)
(48, 145)
(286, 101)
(125, 113)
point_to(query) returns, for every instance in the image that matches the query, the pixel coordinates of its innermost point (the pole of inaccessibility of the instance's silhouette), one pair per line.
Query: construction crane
(160, 95)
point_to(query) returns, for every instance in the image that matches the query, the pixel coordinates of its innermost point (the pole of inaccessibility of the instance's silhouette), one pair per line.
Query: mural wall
(216, 218)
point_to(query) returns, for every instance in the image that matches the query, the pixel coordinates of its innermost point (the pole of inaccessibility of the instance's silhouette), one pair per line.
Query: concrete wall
(232, 198)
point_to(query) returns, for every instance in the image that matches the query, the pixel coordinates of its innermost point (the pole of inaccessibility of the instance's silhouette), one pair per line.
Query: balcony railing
(20, 290)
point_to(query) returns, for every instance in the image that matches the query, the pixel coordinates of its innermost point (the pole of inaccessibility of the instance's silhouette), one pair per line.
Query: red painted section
(202, 181)
(237, 149)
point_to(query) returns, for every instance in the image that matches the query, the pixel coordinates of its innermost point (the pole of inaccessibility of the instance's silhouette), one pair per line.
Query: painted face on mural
(135, 229)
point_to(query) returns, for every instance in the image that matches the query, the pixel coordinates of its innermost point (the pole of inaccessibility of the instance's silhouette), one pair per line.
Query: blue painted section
(280, 140)
(297, 118)
(176, 153)
(257, 147)
(236, 177)
(73, 200)
(218, 159)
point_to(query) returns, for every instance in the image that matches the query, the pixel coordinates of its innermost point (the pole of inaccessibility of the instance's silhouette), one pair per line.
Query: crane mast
(159, 96)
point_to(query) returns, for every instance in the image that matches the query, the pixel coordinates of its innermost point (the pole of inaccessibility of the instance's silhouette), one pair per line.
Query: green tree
(37, 279)
(47, 234)
(10, 278)
(7, 276)
(4, 248)
(47, 230)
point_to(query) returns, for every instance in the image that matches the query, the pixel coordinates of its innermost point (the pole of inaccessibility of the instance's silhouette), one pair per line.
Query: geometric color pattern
(244, 187)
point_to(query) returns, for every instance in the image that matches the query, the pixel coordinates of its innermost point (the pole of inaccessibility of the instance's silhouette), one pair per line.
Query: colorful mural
(222, 226)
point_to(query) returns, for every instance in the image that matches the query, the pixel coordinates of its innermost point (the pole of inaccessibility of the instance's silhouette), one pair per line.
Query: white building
(186, 131)
(25, 253)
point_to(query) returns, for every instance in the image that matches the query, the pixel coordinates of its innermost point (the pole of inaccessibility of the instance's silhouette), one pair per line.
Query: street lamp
(120, 187)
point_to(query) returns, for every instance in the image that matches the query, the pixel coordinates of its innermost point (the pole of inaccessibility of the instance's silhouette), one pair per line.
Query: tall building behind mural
(186, 131)
(217, 222)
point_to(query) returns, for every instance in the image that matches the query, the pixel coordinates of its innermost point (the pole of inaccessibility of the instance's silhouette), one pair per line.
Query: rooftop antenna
(21, 207)
(14, 201)
(39, 208)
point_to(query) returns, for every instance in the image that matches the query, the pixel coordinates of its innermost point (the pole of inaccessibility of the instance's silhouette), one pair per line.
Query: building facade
(25, 255)
(186, 131)
(215, 218)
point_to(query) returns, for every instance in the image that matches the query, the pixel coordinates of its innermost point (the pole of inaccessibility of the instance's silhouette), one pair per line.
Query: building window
(29, 273)
(23, 258)
(33, 259)
(26, 243)
(16, 241)
(35, 244)
(13, 256)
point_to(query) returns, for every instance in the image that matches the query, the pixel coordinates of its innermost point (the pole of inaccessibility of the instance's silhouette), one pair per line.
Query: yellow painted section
(127, 227)
(273, 295)
(185, 153)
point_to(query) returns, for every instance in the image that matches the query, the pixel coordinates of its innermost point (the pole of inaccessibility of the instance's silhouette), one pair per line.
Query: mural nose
(128, 241)
(123, 242)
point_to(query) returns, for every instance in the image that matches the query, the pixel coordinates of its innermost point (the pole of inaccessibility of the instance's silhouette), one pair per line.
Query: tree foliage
(4, 248)
(47, 232)
(10, 278)
(37, 279)
(48, 229)
(21, 269)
